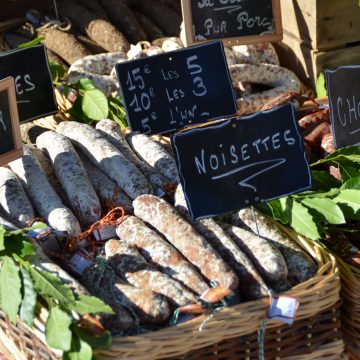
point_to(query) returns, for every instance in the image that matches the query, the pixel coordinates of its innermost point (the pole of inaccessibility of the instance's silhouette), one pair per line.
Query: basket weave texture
(226, 335)
(350, 294)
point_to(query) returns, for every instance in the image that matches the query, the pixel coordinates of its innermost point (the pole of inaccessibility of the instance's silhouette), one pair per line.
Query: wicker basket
(228, 334)
(350, 294)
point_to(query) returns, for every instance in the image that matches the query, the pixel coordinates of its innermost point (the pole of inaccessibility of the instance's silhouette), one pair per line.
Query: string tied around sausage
(113, 218)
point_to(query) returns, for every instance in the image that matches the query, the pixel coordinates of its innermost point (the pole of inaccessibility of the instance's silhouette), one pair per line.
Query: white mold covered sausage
(43, 197)
(155, 155)
(72, 176)
(106, 157)
(13, 199)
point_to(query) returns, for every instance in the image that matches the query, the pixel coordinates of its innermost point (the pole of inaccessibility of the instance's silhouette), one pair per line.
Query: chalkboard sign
(344, 100)
(233, 21)
(33, 84)
(242, 161)
(169, 91)
(10, 138)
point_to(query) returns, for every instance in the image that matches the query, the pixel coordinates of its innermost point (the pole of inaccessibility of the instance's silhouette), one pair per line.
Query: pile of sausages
(157, 258)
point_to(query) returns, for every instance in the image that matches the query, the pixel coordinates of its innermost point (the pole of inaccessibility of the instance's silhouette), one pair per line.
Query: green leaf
(324, 181)
(117, 112)
(95, 104)
(353, 183)
(348, 171)
(96, 342)
(57, 71)
(10, 288)
(2, 237)
(27, 308)
(77, 112)
(339, 155)
(325, 209)
(36, 41)
(19, 244)
(38, 225)
(316, 194)
(51, 286)
(278, 211)
(57, 329)
(86, 84)
(350, 198)
(349, 213)
(301, 220)
(91, 305)
(80, 350)
(320, 86)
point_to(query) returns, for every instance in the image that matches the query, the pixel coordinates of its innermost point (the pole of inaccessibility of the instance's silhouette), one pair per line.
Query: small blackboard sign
(344, 100)
(33, 84)
(166, 92)
(242, 161)
(10, 138)
(233, 21)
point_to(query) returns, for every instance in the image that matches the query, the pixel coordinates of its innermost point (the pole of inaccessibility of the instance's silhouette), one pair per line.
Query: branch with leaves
(25, 288)
(332, 205)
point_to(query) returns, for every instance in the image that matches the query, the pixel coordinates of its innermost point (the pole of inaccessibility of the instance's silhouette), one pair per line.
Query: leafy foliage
(24, 287)
(57, 330)
(10, 288)
(330, 203)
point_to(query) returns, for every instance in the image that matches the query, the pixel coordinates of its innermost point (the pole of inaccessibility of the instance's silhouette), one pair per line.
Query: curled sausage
(97, 68)
(317, 117)
(282, 80)
(263, 53)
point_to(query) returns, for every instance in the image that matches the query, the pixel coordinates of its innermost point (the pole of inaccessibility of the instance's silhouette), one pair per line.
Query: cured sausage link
(111, 131)
(160, 253)
(155, 155)
(13, 199)
(72, 176)
(300, 266)
(43, 197)
(130, 265)
(106, 157)
(164, 218)
(251, 284)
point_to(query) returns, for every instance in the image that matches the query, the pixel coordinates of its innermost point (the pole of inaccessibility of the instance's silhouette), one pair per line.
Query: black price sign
(10, 138)
(344, 100)
(234, 21)
(242, 161)
(33, 84)
(169, 91)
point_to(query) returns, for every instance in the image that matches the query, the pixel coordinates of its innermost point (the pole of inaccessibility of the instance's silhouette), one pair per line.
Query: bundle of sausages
(157, 259)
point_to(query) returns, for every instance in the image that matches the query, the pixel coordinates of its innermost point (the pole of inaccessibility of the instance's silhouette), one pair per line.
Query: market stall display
(118, 226)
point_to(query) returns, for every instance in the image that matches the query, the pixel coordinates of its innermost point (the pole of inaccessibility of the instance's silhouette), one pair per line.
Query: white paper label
(284, 309)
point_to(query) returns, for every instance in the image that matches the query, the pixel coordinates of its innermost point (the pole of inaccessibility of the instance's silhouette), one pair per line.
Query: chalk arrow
(268, 165)
(230, 9)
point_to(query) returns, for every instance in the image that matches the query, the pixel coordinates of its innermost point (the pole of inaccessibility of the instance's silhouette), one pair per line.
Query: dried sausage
(164, 218)
(72, 176)
(130, 265)
(160, 253)
(43, 197)
(105, 156)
